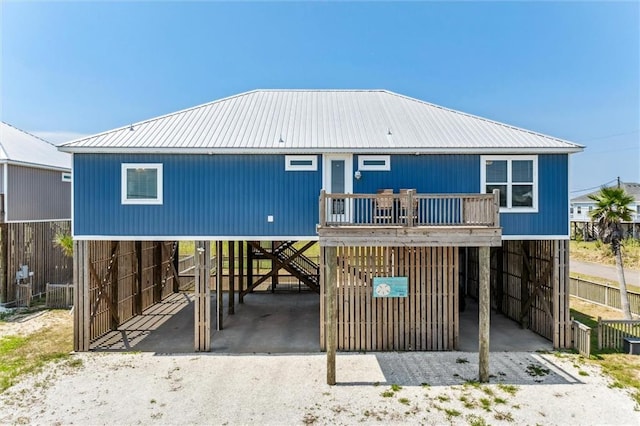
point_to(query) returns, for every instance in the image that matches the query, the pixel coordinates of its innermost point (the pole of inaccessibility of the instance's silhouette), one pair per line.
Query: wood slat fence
(59, 295)
(611, 333)
(602, 294)
(126, 277)
(427, 319)
(32, 244)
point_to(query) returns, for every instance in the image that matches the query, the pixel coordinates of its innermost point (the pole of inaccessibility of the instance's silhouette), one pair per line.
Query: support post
(219, 277)
(176, 267)
(274, 268)
(524, 285)
(81, 303)
(241, 270)
(137, 304)
(331, 266)
(484, 313)
(114, 284)
(157, 272)
(249, 268)
(202, 303)
(499, 278)
(232, 277)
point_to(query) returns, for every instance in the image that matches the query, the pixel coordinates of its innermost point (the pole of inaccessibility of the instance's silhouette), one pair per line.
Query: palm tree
(611, 209)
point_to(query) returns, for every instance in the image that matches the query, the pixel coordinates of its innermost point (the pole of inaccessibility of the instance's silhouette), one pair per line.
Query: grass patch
(510, 389)
(503, 416)
(485, 403)
(452, 412)
(595, 251)
(443, 398)
(388, 394)
(499, 400)
(395, 387)
(24, 355)
(475, 420)
(404, 401)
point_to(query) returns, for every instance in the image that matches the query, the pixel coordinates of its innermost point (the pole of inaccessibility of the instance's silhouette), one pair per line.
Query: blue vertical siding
(204, 195)
(552, 217)
(232, 195)
(429, 174)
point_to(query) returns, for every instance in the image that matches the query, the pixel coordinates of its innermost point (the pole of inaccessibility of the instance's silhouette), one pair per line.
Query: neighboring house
(35, 178)
(581, 207)
(312, 165)
(35, 192)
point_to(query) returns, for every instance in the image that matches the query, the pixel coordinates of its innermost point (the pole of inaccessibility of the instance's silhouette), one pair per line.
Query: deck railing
(581, 338)
(409, 208)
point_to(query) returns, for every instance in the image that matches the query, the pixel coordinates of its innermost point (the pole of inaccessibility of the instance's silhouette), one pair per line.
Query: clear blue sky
(570, 70)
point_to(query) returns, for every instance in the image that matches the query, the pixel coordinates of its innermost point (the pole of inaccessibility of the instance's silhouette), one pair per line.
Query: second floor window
(517, 179)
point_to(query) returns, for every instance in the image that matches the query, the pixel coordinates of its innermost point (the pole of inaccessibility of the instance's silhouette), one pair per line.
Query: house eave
(267, 151)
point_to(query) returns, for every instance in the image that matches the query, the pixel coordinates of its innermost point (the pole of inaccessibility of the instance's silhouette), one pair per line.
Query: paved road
(632, 277)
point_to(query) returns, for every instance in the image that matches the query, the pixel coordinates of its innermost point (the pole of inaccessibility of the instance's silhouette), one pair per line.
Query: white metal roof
(297, 121)
(20, 147)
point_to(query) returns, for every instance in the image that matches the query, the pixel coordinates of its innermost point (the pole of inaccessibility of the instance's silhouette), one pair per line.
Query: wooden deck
(409, 219)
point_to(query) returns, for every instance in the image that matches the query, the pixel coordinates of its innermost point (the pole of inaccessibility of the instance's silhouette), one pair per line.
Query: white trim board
(192, 238)
(534, 237)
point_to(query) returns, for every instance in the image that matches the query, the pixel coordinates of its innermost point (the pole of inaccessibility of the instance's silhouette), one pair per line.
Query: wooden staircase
(287, 257)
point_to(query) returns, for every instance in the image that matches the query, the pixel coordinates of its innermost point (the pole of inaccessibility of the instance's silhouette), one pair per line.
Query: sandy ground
(23, 324)
(146, 388)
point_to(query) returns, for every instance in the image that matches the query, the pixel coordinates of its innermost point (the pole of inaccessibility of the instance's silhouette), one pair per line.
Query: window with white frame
(141, 183)
(66, 177)
(517, 179)
(374, 163)
(300, 163)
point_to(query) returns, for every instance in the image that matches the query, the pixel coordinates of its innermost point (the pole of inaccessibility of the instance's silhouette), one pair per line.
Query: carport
(279, 323)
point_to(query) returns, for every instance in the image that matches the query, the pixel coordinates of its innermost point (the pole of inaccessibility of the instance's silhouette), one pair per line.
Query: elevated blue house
(392, 186)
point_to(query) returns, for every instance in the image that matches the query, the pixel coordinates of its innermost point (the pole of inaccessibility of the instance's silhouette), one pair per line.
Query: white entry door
(338, 179)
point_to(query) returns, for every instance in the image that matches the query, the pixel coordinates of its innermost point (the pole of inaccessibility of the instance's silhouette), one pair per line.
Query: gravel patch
(383, 388)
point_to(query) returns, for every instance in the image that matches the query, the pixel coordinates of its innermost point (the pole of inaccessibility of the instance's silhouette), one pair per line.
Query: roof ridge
(30, 134)
(510, 126)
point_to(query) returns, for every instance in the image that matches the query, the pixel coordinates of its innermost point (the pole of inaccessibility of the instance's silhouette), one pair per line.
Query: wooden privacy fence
(611, 333)
(32, 244)
(529, 284)
(425, 320)
(602, 294)
(581, 338)
(124, 278)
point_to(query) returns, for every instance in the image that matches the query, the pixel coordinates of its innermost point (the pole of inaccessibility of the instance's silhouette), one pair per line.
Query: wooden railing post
(323, 208)
(411, 208)
(496, 207)
(599, 333)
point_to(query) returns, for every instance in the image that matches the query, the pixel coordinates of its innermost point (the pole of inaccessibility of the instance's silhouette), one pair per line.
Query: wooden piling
(330, 261)
(241, 271)
(202, 303)
(484, 313)
(81, 303)
(232, 276)
(219, 294)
